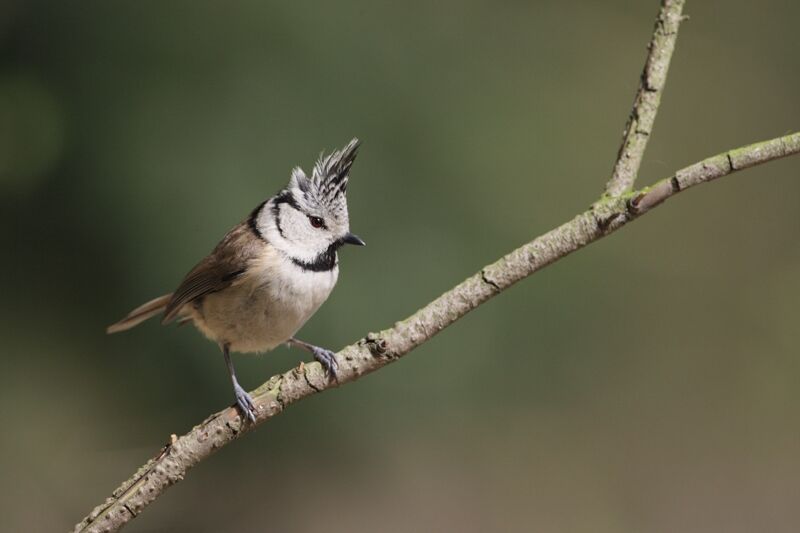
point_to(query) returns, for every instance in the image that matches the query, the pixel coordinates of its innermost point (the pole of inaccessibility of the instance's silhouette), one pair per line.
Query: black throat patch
(324, 262)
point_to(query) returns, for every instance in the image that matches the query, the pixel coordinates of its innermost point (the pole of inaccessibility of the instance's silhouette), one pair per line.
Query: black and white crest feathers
(328, 182)
(332, 171)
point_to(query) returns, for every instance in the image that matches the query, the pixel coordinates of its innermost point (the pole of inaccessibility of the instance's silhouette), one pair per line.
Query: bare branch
(648, 97)
(713, 168)
(379, 349)
(376, 350)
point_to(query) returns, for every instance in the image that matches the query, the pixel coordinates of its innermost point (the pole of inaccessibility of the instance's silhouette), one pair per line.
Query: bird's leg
(243, 399)
(325, 357)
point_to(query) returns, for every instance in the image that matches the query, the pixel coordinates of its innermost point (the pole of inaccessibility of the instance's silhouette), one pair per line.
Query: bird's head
(308, 219)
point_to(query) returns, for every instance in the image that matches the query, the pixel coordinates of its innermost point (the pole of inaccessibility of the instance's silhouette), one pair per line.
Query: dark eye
(316, 222)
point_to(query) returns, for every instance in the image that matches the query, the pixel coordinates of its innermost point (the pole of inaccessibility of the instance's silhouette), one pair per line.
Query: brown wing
(217, 271)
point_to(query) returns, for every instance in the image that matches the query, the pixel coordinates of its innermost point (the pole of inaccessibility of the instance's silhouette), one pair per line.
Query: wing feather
(219, 270)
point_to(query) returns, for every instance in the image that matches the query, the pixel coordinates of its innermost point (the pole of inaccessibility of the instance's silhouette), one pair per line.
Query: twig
(713, 168)
(648, 97)
(379, 349)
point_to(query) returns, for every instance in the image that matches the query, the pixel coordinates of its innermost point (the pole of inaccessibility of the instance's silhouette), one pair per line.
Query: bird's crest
(328, 182)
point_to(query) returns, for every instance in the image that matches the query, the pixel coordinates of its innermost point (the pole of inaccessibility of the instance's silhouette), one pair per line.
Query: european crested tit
(270, 273)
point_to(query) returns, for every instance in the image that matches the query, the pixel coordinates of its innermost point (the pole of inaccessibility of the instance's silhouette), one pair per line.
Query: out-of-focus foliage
(648, 383)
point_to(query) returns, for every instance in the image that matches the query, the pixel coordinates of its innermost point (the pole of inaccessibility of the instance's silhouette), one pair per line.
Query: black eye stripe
(286, 197)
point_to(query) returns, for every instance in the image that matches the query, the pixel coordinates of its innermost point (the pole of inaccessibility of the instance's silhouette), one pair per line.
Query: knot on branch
(609, 213)
(377, 345)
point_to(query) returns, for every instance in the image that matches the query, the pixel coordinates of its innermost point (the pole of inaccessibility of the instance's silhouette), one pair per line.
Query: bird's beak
(351, 238)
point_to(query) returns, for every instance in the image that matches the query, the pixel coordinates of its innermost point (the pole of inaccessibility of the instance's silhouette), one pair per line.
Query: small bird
(270, 273)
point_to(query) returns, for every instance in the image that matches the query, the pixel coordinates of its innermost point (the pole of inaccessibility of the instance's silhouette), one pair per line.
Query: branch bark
(648, 97)
(376, 350)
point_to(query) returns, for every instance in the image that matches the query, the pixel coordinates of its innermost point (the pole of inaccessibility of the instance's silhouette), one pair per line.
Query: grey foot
(245, 402)
(327, 359)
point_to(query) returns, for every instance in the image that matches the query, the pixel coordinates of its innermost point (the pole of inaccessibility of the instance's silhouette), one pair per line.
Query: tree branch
(379, 349)
(648, 97)
(376, 350)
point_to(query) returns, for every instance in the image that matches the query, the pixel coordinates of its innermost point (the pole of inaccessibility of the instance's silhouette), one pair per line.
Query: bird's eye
(316, 222)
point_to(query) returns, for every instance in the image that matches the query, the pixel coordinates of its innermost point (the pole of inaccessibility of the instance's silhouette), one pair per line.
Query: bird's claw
(327, 359)
(245, 402)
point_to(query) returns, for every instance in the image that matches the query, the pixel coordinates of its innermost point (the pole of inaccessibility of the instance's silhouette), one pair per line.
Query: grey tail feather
(140, 314)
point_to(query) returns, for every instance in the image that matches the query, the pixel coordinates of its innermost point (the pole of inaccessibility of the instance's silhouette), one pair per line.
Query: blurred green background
(647, 383)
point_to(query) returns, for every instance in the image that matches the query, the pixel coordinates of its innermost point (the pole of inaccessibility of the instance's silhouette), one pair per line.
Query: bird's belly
(258, 315)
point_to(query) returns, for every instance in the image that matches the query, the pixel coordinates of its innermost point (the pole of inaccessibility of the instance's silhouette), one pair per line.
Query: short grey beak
(351, 238)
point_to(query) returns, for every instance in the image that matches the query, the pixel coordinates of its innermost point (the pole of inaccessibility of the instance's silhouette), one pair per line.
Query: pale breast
(266, 306)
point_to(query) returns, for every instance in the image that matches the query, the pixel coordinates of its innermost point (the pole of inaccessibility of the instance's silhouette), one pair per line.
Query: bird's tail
(140, 314)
